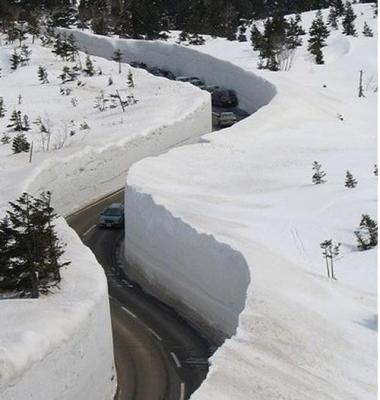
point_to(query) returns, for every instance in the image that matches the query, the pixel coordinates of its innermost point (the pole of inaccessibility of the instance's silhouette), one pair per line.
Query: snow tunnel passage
(253, 91)
(205, 280)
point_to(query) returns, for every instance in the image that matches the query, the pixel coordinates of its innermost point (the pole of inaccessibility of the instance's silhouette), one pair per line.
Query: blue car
(112, 216)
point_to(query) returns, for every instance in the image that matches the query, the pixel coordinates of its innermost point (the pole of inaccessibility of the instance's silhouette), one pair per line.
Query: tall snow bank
(253, 91)
(300, 334)
(202, 278)
(60, 346)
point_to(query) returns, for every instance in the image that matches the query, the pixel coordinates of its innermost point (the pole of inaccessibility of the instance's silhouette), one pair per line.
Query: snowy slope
(300, 335)
(60, 346)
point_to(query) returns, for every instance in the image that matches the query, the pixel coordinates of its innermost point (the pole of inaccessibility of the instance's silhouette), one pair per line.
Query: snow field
(65, 339)
(248, 188)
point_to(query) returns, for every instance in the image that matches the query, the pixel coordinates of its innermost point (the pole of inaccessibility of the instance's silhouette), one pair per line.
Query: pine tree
(367, 31)
(58, 46)
(318, 34)
(15, 59)
(29, 247)
(242, 33)
(367, 233)
(16, 121)
(89, 70)
(42, 75)
(332, 19)
(256, 38)
(25, 54)
(2, 108)
(130, 81)
(33, 25)
(71, 48)
(293, 34)
(118, 57)
(125, 24)
(349, 20)
(318, 174)
(68, 74)
(20, 144)
(338, 7)
(351, 182)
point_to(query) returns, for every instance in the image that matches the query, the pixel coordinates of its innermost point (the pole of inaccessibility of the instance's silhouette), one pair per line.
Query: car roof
(116, 205)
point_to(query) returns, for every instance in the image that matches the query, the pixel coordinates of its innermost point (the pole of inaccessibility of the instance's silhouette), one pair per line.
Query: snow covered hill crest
(301, 335)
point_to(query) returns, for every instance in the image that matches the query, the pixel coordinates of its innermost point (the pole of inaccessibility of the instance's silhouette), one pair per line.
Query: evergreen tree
(71, 48)
(68, 74)
(25, 55)
(16, 121)
(318, 174)
(351, 182)
(33, 25)
(367, 31)
(318, 34)
(89, 70)
(29, 247)
(20, 144)
(2, 108)
(242, 33)
(349, 20)
(118, 57)
(338, 7)
(293, 34)
(332, 19)
(256, 38)
(15, 59)
(367, 233)
(124, 27)
(42, 74)
(65, 14)
(130, 81)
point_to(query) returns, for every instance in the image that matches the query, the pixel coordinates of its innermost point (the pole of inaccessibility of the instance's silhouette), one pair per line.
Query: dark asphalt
(158, 355)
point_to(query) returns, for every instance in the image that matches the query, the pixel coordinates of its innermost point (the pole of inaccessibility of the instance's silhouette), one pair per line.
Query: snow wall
(174, 256)
(60, 347)
(74, 359)
(81, 178)
(253, 91)
(183, 267)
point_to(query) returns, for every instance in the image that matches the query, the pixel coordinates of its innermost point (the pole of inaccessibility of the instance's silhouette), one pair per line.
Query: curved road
(158, 355)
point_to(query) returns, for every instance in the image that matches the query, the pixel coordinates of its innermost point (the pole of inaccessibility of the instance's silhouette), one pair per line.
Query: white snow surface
(300, 335)
(60, 346)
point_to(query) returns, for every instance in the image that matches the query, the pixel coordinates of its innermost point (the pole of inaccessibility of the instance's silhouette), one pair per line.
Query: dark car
(112, 216)
(224, 98)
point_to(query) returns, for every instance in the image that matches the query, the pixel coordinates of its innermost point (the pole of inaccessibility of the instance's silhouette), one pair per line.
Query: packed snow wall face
(203, 279)
(253, 92)
(59, 347)
(76, 180)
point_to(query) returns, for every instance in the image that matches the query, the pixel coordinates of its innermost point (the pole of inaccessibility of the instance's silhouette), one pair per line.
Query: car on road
(183, 79)
(227, 119)
(112, 216)
(224, 98)
(197, 82)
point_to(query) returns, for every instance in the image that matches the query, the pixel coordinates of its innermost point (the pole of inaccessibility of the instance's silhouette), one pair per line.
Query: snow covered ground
(300, 335)
(65, 339)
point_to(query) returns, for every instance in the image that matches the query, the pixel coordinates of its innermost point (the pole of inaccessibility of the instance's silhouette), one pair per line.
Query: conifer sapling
(350, 182)
(318, 176)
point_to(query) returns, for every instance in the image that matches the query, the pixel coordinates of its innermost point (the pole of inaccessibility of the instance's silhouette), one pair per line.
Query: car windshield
(112, 212)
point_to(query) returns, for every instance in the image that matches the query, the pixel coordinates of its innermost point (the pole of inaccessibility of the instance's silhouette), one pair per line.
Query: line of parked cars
(220, 97)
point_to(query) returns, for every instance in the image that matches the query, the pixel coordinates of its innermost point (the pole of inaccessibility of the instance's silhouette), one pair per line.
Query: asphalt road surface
(158, 355)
